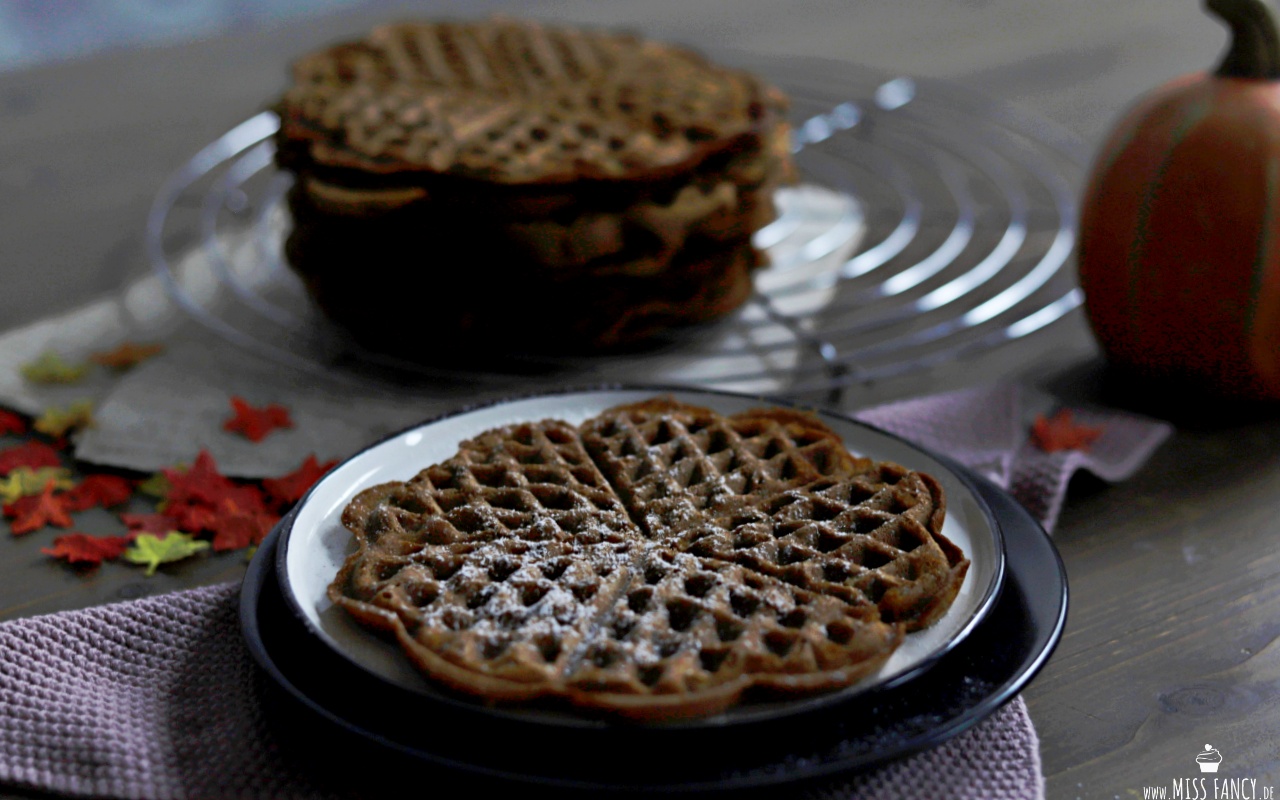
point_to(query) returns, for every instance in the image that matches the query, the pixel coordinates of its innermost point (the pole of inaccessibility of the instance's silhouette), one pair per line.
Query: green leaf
(153, 551)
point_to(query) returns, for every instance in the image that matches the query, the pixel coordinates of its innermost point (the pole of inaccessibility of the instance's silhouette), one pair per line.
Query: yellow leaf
(25, 481)
(57, 421)
(51, 368)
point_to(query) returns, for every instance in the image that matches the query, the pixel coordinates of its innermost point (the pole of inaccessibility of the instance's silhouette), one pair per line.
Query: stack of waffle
(656, 562)
(505, 184)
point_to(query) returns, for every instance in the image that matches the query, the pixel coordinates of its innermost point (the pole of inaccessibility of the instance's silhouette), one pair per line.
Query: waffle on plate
(653, 563)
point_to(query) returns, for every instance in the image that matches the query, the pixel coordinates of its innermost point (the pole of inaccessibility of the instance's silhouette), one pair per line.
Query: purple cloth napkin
(159, 698)
(986, 429)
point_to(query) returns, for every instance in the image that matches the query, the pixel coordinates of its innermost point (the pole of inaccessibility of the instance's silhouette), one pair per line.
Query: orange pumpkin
(1179, 249)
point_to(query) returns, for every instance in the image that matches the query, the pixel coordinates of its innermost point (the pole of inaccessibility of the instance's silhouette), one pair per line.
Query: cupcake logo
(1204, 786)
(1209, 759)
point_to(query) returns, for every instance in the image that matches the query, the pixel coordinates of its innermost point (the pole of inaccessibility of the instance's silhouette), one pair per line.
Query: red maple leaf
(190, 517)
(201, 483)
(99, 490)
(43, 509)
(81, 548)
(158, 524)
(289, 489)
(199, 499)
(28, 454)
(1061, 432)
(11, 423)
(200, 515)
(254, 423)
(236, 527)
(245, 496)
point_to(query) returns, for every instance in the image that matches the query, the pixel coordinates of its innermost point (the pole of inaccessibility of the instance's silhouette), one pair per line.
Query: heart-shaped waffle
(655, 562)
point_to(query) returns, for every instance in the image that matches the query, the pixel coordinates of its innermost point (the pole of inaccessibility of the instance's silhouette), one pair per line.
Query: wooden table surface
(1173, 574)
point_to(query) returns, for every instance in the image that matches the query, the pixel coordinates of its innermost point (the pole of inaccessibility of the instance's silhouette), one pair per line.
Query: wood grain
(1174, 629)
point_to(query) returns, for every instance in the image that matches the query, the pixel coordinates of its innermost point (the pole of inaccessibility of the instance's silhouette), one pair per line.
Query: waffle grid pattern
(516, 101)
(654, 563)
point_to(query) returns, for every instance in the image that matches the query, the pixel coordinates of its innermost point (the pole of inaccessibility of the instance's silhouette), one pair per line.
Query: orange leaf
(1060, 432)
(254, 423)
(127, 355)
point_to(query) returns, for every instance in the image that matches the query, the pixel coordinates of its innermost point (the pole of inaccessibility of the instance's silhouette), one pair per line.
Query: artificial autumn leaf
(235, 527)
(11, 423)
(289, 489)
(158, 485)
(11, 488)
(190, 516)
(198, 499)
(147, 523)
(58, 422)
(1061, 432)
(81, 548)
(33, 513)
(199, 482)
(28, 454)
(51, 368)
(245, 496)
(25, 481)
(254, 423)
(127, 355)
(153, 550)
(99, 490)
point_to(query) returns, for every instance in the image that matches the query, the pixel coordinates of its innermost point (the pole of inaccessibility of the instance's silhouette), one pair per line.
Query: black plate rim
(1034, 551)
(986, 603)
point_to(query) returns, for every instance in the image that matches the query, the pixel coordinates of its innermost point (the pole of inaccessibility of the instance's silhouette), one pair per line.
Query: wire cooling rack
(931, 224)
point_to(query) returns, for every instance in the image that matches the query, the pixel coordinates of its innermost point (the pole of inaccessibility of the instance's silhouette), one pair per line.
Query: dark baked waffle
(517, 168)
(489, 310)
(689, 635)
(655, 563)
(513, 101)
(776, 491)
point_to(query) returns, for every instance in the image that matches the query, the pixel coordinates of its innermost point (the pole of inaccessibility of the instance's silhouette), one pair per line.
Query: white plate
(313, 548)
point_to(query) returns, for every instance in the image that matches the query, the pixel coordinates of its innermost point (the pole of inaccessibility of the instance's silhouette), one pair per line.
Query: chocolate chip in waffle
(654, 563)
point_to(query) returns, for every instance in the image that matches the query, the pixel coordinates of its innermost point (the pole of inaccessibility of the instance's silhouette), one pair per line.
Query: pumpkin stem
(1254, 51)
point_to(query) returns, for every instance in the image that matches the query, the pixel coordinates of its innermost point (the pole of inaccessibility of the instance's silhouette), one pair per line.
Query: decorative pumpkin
(1179, 250)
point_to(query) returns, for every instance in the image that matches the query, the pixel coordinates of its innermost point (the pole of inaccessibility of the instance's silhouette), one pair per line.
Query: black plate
(757, 709)
(324, 700)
